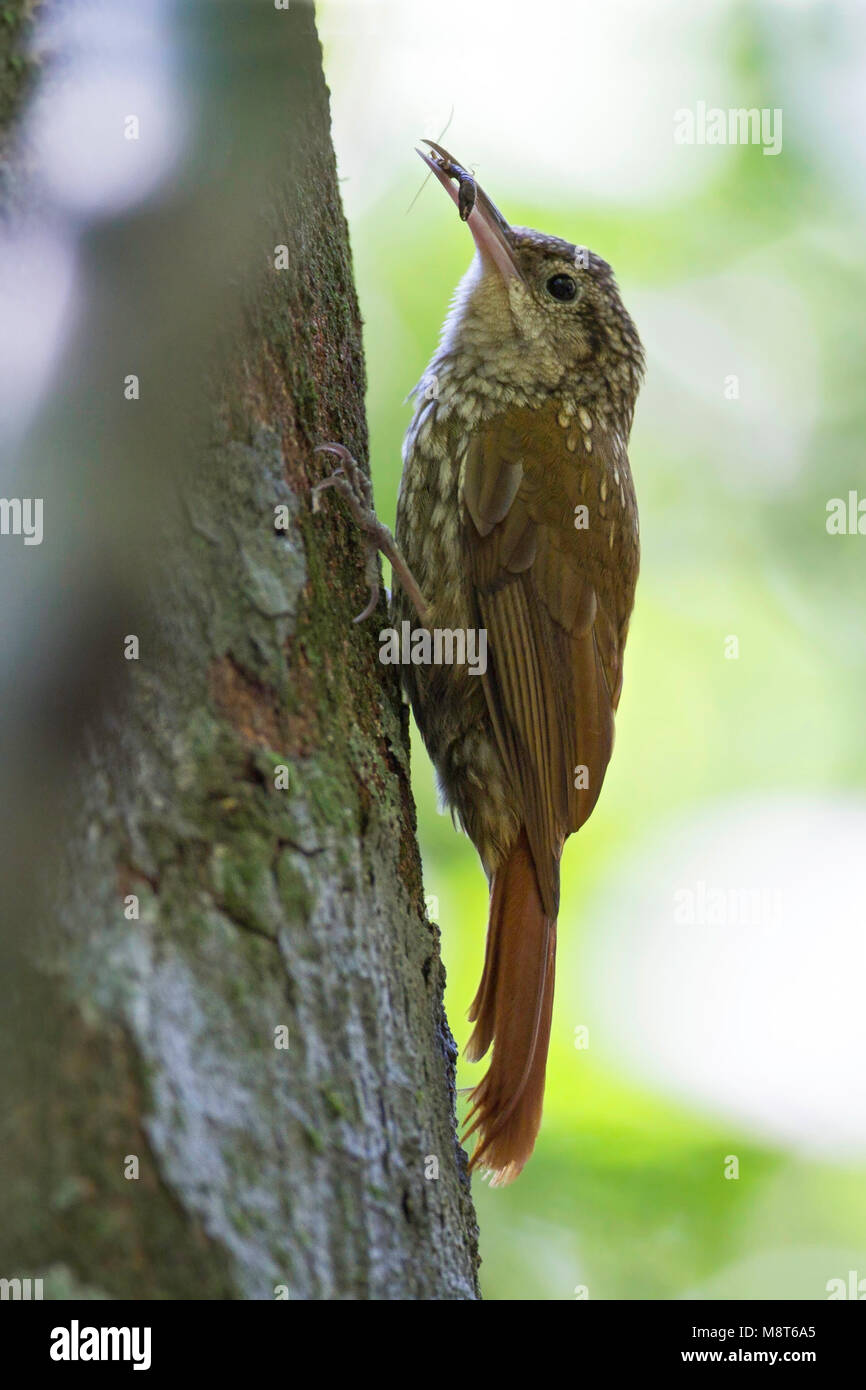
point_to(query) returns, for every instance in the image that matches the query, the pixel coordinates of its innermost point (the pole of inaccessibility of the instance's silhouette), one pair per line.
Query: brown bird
(517, 515)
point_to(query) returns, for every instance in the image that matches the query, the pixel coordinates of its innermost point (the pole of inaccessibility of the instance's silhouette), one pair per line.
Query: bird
(516, 517)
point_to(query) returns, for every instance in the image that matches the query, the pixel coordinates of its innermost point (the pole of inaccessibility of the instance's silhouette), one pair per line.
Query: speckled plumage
(517, 513)
(471, 382)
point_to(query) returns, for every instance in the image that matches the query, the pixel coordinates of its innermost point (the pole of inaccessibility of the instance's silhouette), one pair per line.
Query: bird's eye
(562, 287)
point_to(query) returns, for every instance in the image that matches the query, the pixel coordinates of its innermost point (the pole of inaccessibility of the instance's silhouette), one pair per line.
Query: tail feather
(512, 1009)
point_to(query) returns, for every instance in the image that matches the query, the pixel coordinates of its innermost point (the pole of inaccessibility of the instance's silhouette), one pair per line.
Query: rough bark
(264, 1171)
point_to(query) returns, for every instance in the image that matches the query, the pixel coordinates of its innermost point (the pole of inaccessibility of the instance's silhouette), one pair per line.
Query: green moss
(293, 890)
(17, 67)
(314, 1138)
(242, 881)
(334, 1101)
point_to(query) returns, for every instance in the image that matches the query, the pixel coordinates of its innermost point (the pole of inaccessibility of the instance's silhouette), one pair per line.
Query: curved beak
(491, 233)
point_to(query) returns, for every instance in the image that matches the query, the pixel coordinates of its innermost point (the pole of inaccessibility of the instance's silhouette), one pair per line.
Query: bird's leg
(351, 483)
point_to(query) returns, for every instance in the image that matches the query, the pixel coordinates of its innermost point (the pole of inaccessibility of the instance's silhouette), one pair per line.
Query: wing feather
(555, 619)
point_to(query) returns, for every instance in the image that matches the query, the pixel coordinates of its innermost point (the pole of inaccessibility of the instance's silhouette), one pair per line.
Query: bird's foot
(353, 484)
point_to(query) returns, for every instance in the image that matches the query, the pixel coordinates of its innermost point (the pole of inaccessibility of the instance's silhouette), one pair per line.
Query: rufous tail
(512, 1010)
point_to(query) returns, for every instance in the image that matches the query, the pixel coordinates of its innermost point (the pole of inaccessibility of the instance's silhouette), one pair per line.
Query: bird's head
(534, 313)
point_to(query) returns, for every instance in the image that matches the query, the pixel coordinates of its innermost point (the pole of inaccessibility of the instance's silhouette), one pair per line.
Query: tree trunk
(229, 1069)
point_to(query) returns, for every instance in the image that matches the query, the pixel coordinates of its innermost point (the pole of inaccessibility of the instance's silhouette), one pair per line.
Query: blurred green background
(712, 931)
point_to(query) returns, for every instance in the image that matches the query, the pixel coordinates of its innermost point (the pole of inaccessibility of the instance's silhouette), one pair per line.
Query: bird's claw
(353, 484)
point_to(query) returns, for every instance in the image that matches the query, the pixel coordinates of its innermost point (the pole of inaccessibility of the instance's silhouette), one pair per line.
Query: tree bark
(158, 1139)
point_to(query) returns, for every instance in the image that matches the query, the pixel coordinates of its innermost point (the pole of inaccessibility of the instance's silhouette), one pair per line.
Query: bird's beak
(491, 233)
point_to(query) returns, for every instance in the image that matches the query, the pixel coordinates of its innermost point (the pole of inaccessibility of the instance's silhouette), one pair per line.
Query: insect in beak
(492, 235)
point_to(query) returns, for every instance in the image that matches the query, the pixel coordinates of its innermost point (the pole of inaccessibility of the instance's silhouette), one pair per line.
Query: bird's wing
(554, 595)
